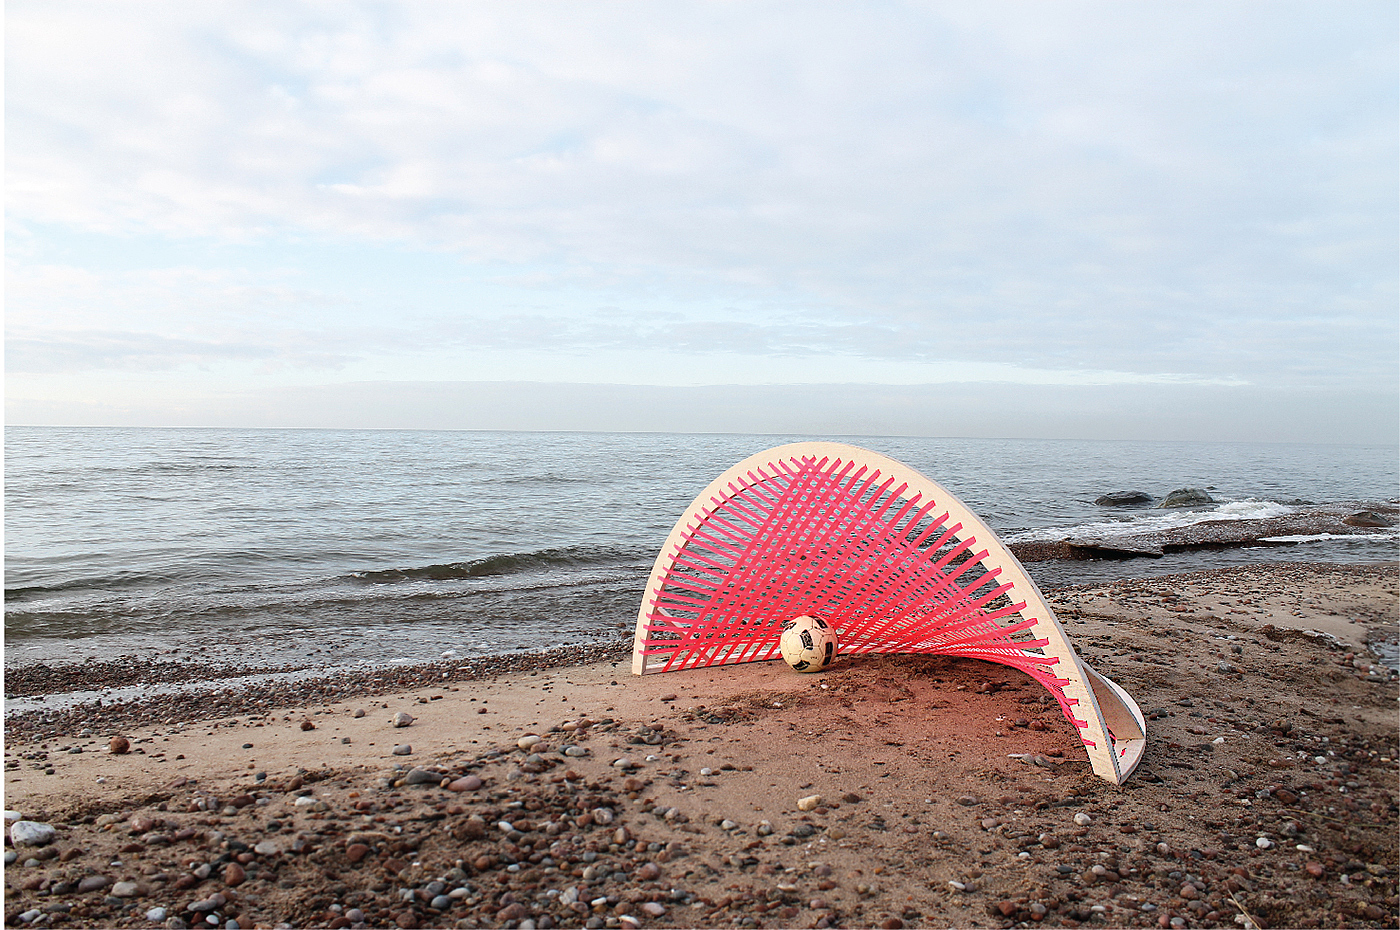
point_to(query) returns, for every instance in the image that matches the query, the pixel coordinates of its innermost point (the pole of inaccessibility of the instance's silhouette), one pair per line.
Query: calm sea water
(282, 546)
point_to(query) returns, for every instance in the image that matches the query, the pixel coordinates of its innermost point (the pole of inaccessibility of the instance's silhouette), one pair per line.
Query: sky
(1059, 220)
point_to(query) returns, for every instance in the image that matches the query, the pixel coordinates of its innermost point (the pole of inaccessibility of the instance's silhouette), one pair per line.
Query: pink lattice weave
(812, 532)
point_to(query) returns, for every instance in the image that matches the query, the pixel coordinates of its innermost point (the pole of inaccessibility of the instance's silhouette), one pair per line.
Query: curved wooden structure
(890, 558)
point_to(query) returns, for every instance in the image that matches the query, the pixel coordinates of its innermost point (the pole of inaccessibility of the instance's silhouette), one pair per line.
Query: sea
(332, 548)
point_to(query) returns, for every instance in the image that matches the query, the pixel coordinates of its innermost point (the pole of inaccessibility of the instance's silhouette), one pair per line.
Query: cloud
(1192, 193)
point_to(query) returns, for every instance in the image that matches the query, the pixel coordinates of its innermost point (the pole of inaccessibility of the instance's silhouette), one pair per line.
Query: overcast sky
(213, 208)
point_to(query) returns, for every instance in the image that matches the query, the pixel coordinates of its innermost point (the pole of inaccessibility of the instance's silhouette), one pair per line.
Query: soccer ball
(808, 644)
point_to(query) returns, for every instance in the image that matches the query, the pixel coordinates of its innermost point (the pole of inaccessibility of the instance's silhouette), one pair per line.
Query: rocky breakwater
(1347, 519)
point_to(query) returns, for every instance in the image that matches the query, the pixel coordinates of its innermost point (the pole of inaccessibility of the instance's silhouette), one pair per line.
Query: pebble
(528, 741)
(125, 890)
(648, 872)
(31, 833)
(421, 776)
(359, 712)
(156, 914)
(402, 719)
(267, 848)
(465, 783)
(1083, 819)
(93, 883)
(809, 803)
(403, 750)
(119, 745)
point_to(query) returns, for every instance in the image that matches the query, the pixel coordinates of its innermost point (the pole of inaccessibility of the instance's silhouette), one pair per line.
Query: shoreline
(184, 687)
(948, 788)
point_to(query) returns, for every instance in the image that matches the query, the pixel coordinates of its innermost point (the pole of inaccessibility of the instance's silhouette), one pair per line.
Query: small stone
(402, 719)
(359, 712)
(356, 851)
(891, 923)
(32, 833)
(465, 783)
(1315, 869)
(1083, 819)
(648, 872)
(1189, 892)
(119, 745)
(575, 751)
(156, 914)
(93, 883)
(654, 908)
(234, 875)
(441, 902)
(809, 803)
(514, 911)
(528, 741)
(421, 776)
(306, 724)
(1264, 842)
(125, 890)
(403, 750)
(668, 697)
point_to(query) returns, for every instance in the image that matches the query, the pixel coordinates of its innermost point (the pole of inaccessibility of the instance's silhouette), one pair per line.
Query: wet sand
(948, 789)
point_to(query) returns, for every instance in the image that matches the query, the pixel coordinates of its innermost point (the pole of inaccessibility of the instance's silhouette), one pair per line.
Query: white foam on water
(1324, 537)
(1157, 521)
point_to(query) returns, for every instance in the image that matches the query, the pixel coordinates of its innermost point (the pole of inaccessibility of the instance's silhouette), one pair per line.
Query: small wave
(503, 564)
(122, 580)
(1156, 521)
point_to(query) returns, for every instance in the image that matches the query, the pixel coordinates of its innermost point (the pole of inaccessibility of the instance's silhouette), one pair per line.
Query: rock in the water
(1123, 499)
(1368, 518)
(1187, 497)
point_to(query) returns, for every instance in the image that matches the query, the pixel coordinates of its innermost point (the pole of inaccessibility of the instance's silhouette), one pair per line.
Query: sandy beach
(886, 792)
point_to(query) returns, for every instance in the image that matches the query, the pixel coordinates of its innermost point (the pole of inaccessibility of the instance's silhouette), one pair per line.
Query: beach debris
(1035, 758)
(32, 833)
(810, 803)
(119, 745)
(402, 719)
